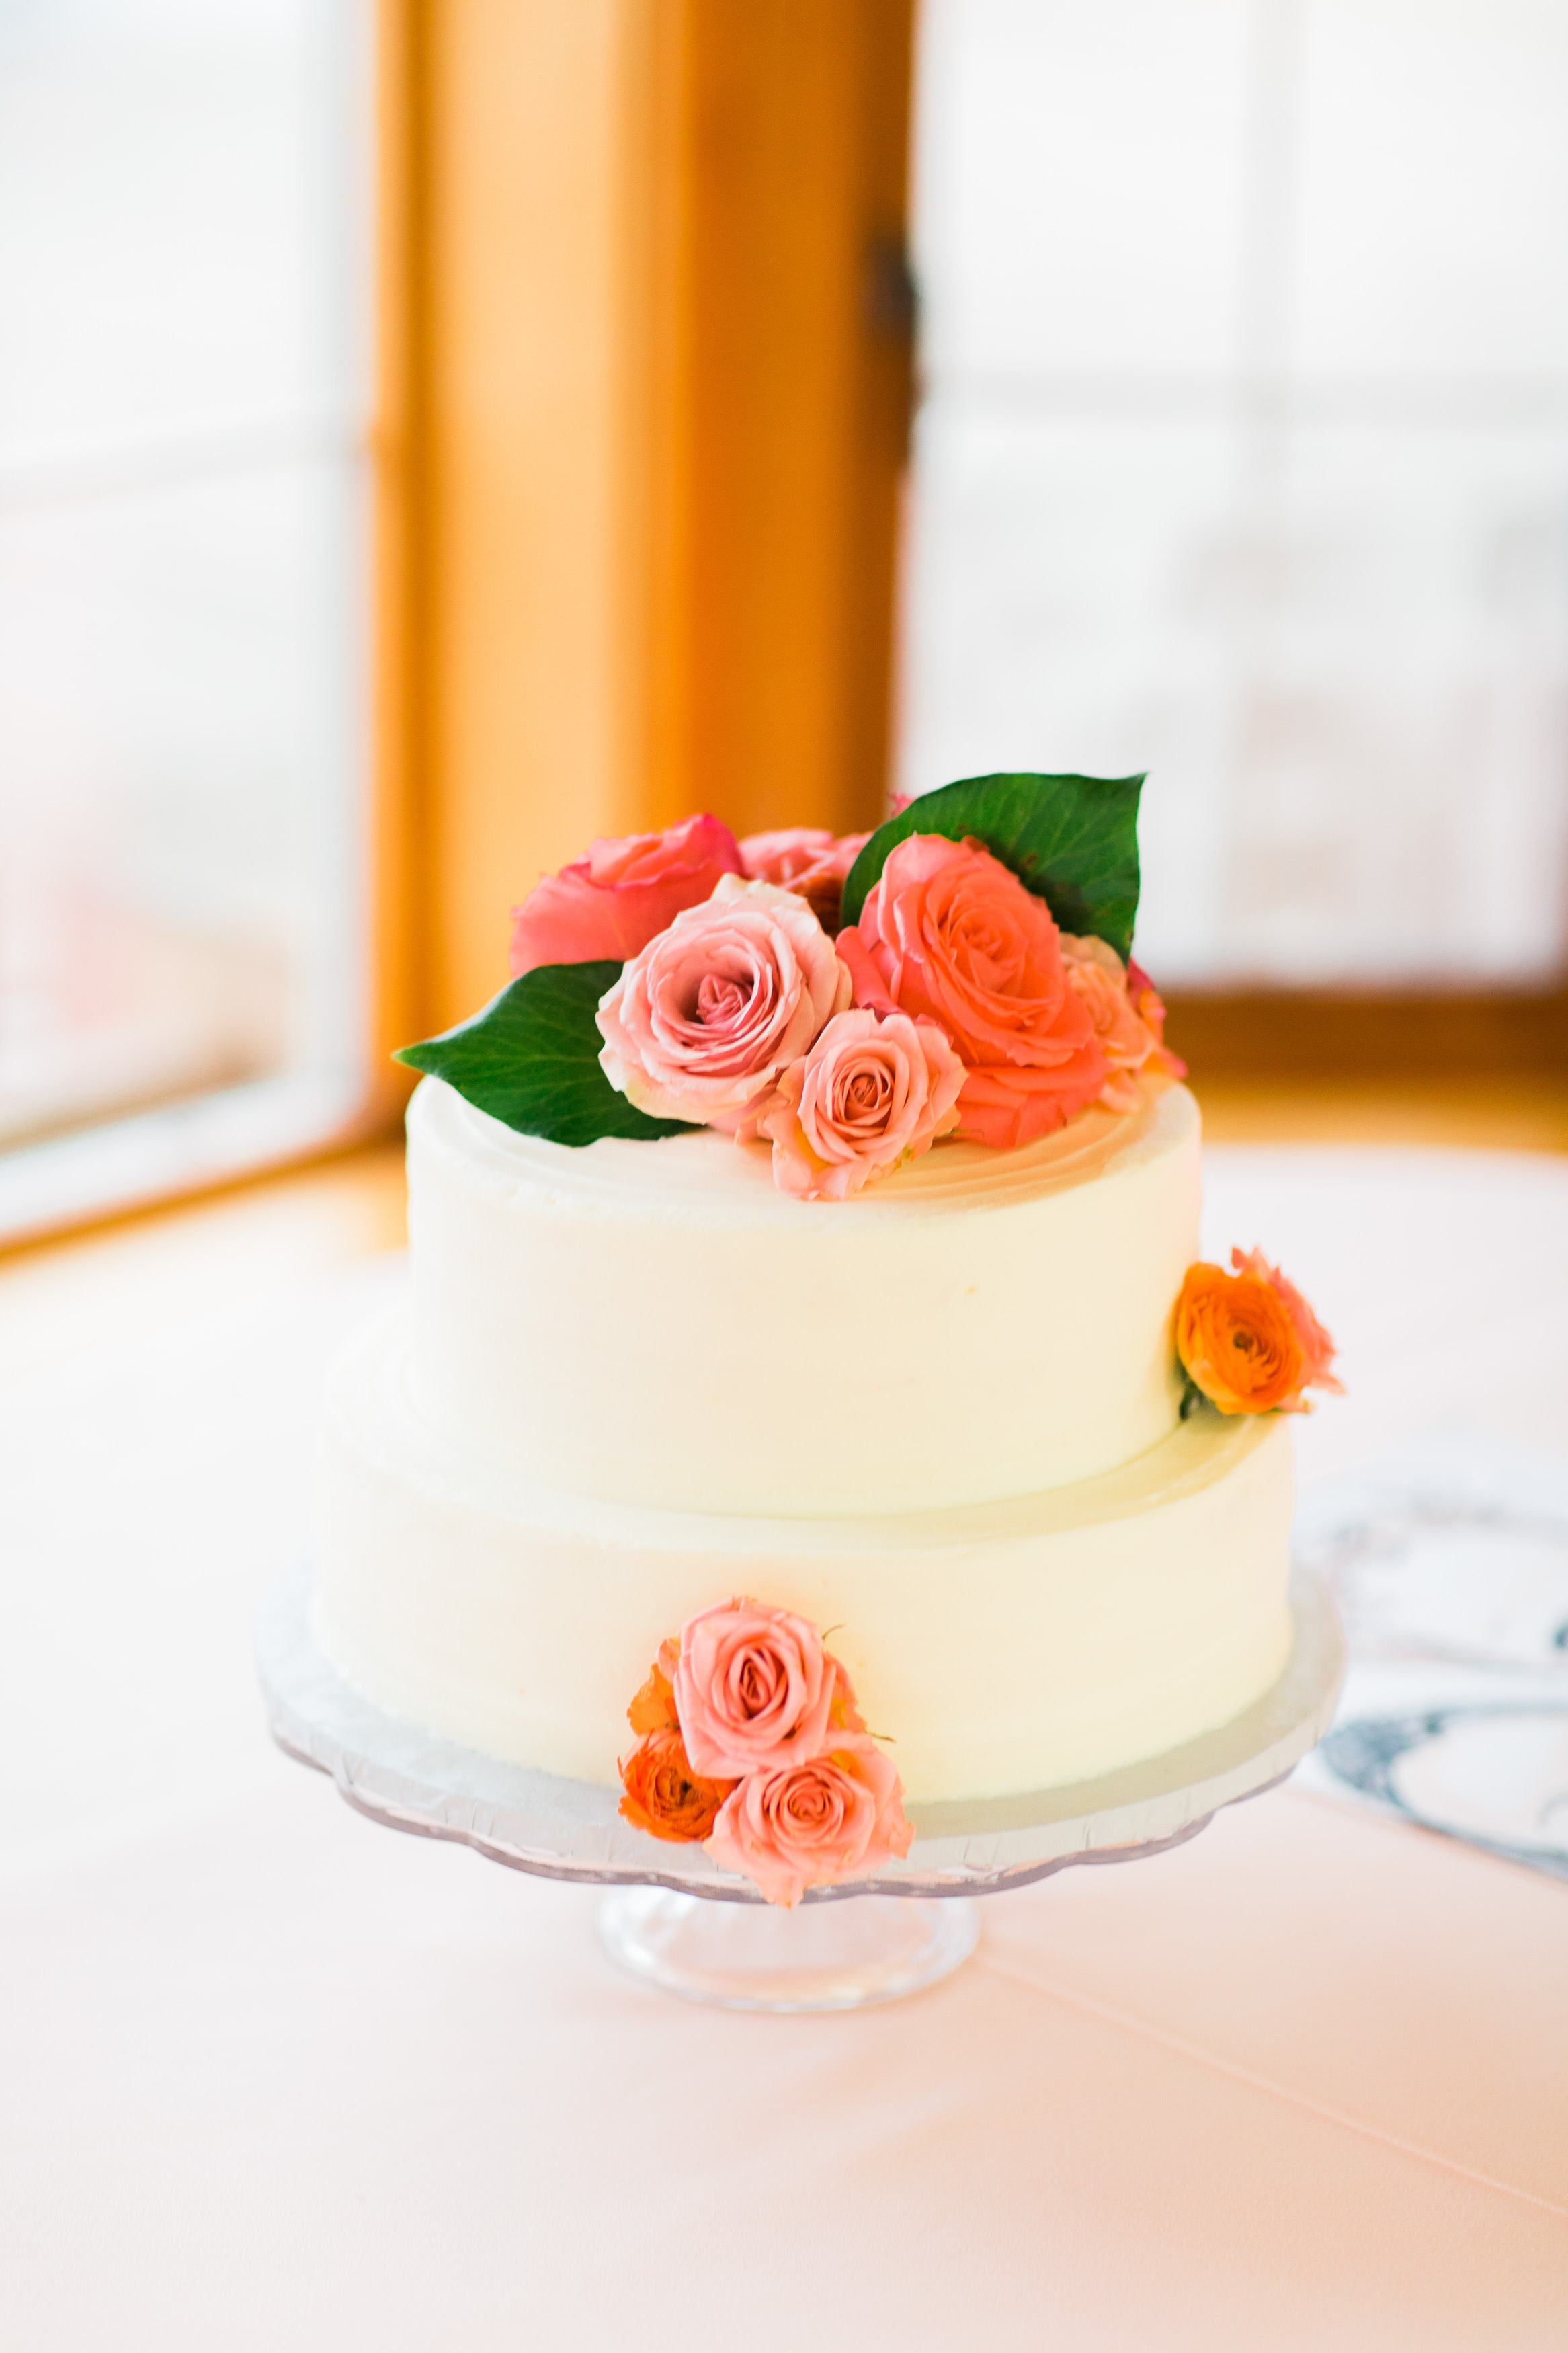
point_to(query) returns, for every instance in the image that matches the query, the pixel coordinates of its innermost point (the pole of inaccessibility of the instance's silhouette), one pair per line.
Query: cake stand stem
(824, 1956)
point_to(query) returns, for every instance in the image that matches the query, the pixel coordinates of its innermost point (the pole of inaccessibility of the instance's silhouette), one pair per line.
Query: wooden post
(657, 354)
(799, 326)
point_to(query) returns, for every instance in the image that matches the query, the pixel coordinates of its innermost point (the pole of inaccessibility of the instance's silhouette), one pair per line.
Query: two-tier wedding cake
(807, 1338)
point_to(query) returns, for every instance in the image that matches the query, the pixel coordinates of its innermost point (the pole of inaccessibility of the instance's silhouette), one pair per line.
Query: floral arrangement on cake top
(752, 1744)
(1248, 1342)
(963, 971)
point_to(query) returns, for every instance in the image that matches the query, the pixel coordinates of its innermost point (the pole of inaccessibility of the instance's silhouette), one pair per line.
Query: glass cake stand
(867, 1941)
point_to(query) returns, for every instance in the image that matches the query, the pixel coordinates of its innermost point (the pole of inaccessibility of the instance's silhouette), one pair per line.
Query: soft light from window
(183, 398)
(1245, 459)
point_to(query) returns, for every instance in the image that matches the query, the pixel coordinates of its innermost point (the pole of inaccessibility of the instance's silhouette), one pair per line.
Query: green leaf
(531, 1060)
(1072, 839)
(1192, 1396)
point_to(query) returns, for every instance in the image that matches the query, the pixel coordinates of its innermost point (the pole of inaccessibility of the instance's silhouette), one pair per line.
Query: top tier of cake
(657, 1324)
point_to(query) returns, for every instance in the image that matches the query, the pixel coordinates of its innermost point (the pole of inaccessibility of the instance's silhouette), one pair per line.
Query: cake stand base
(840, 1955)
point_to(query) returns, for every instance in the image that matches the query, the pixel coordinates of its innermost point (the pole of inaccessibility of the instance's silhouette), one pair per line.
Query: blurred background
(1243, 457)
(186, 405)
(434, 432)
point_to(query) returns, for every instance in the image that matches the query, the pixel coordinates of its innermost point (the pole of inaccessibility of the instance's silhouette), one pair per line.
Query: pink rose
(706, 1017)
(1098, 974)
(949, 933)
(1318, 1350)
(873, 1090)
(807, 1824)
(621, 896)
(807, 859)
(753, 1688)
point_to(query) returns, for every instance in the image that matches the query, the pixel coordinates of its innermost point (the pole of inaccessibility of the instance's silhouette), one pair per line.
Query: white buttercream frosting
(658, 1323)
(1005, 1645)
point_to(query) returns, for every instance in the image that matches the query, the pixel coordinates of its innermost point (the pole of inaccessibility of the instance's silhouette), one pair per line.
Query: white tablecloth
(271, 2075)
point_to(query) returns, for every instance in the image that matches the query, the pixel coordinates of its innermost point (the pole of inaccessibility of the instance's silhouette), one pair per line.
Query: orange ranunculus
(665, 1796)
(653, 1709)
(1317, 1345)
(1238, 1342)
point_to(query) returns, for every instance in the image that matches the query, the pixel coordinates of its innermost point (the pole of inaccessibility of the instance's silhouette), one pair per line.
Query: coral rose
(808, 1824)
(951, 935)
(1318, 1350)
(874, 1090)
(703, 1020)
(753, 1687)
(664, 1796)
(621, 896)
(807, 859)
(1238, 1341)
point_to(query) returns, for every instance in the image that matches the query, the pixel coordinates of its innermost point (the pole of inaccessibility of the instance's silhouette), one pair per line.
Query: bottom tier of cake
(1007, 1647)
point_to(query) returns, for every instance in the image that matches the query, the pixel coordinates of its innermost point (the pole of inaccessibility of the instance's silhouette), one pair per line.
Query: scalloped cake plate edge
(411, 1780)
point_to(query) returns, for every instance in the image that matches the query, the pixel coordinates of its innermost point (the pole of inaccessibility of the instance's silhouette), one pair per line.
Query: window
(1244, 458)
(185, 334)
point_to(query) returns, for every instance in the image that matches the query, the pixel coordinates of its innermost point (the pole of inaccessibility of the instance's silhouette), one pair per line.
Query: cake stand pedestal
(868, 1940)
(759, 1956)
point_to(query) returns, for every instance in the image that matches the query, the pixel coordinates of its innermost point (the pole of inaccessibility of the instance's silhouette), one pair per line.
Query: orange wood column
(659, 353)
(796, 324)
(398, 996)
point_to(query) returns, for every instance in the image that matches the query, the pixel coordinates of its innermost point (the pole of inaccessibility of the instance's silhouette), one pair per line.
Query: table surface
(274, 2075)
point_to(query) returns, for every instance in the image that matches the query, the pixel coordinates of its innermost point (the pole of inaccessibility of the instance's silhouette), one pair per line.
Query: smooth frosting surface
(656, 1323)
(1005, 1646)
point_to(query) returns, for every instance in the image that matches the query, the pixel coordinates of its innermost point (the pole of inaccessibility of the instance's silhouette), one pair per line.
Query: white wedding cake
(782, 1280)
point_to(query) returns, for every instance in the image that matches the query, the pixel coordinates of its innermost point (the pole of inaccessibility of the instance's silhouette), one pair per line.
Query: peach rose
(1318, 1350)
(874, 1090)
(665, 1797)
(1100, 979)
(949, 933)
(1149, 1008)
(621, 896)
(753, 1687)
(703, 1020)
(842, 1715)
(808, 1824)
(1248, 1340)
(807, 859)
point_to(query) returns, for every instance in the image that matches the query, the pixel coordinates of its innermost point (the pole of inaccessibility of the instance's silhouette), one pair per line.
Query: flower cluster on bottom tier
(751, 1743)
